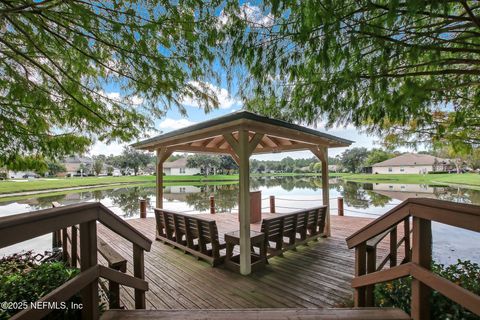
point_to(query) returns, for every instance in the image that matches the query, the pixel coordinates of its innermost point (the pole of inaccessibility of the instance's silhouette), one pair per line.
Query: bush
(22, 278)
(464, 273)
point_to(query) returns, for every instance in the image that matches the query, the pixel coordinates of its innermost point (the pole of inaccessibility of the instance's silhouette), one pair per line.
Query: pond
(291, 193)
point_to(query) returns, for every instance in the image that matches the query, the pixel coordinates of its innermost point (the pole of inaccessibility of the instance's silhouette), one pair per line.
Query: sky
(228, 104)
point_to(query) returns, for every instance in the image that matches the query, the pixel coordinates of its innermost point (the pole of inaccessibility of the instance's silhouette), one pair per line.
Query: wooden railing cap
(403, 210)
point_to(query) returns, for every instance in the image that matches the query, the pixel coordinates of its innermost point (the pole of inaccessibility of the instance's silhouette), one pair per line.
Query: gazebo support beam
(244, 202)
(321, 152)
(162, 155)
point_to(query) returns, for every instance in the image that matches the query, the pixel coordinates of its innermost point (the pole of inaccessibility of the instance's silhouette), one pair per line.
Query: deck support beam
(321, 152)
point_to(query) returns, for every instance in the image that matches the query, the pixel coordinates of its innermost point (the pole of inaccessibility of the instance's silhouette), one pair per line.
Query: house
(179, 167)
(78, 165)
(413, 164)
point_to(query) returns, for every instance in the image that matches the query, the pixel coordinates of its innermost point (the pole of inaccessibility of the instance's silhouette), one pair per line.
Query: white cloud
(225, 101)
(173, 124)
(252, 14)
(114, 148)
(118, 98)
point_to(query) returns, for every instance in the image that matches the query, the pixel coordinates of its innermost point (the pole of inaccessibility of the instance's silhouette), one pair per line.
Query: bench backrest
(174, 226)
(312, 219)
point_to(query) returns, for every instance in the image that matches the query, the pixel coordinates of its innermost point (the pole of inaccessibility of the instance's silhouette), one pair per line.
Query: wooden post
(212, 204)
(244, 203)
(422, 255)
(162, 155)
(340, 206)
(360, 269)
(88, 258)
(139, 272)
(272, 204)
(74, 246)
(65, 245)
(322, 154)
(393, 247)
(143, 208)
(371, 267)
(56, 241)
(406, 243)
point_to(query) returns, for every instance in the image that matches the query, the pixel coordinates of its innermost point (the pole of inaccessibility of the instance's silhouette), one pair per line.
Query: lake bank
(466, 179)
(19, 187)
(16, 188)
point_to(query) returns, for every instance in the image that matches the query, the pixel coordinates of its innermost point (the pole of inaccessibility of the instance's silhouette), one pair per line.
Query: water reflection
(360, 199)
(373, 197)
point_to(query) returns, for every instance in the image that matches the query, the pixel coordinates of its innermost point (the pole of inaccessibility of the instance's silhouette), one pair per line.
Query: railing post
(143, 208)
(74, 246)
(56, 241)
(88, 258)
(212, 204)
(406, 242)
(65, 245)
(340, 206)
(421, 255)
(272, 204)
(393, 247)
(360, 269)
(371, 267)
(139, 272)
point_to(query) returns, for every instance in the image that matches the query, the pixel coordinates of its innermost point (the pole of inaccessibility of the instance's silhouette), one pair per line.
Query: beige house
(413, 164)
(179, 168)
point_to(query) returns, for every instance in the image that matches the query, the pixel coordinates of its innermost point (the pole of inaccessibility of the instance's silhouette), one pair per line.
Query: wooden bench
(297, 228)
(196, 236)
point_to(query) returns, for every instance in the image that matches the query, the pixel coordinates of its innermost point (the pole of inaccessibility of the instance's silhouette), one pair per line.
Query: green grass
(10, 186)
(470, 179)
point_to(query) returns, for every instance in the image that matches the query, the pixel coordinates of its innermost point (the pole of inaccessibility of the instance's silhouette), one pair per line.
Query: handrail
(417, 261)
(13, 227)
(441, 212)
(25, 226)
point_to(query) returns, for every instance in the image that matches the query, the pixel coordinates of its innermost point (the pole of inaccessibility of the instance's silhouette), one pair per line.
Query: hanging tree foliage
(406, 70)
(57, 56)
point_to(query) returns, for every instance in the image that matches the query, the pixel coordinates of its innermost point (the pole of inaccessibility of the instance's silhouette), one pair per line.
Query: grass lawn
(12, 186)
(470, 179)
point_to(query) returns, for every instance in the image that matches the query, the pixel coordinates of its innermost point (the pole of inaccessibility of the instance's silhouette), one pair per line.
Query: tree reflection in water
(356, 195)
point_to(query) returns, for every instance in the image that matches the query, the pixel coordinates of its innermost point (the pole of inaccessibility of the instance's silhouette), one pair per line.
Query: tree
(405, 70)
(133, 159)
(227, 163)
(204, 162)
(55, 167)
(376, 156)
(98, 163)
(57, 56)
(352, 159)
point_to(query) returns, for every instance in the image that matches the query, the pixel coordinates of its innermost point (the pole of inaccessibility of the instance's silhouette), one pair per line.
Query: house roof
(209, 136)
(179, 163)
(412, 159)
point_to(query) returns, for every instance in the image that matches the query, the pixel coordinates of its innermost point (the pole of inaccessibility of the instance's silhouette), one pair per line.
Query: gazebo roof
(215, 136)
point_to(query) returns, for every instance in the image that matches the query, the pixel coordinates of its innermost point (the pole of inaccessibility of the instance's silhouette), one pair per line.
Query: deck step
(263, 314)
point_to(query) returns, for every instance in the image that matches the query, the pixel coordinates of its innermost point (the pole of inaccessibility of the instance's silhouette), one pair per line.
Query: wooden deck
(317, 275)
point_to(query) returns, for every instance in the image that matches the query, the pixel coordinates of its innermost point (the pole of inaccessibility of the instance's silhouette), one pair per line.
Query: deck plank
(315, 275)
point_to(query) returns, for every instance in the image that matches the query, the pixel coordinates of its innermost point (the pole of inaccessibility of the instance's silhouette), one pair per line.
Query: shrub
(22, 278)
(464, 273)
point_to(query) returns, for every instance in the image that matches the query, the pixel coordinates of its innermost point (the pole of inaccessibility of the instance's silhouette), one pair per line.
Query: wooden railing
(417, 256)
(25, 226)
(67, 239)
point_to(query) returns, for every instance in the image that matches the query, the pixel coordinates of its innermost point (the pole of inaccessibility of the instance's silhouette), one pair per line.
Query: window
(402, 169)
(390, 169)
(183, 189)
(182, 170)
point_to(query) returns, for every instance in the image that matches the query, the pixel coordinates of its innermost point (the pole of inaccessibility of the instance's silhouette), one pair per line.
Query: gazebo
(240, 135)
